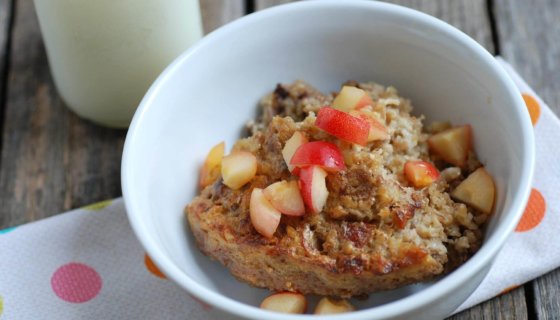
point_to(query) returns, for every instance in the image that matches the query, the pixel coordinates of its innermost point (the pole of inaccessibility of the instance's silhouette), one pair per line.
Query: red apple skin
(377, 131)
(296, 171)
(319, 153)
(313, 188)
(343, 126)
(420, 174)
(365, 101)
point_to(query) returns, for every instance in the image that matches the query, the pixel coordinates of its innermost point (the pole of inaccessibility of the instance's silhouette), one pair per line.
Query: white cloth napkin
(87, 263)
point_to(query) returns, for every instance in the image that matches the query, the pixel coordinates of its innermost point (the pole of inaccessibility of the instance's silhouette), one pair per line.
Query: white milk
(104, 54)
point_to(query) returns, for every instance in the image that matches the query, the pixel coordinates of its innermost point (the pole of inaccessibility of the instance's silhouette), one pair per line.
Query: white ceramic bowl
(210, 91)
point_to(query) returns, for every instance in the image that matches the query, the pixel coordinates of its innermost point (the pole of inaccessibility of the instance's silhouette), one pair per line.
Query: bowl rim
(402, 306)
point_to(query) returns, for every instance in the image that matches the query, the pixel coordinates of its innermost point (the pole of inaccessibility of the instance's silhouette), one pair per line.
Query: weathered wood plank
(216, 13)
(51, 160)
(546, 291)
(470, 16)
(263, 4)
(505, 307)
(5, 24)
(529, 35)
(529, 39)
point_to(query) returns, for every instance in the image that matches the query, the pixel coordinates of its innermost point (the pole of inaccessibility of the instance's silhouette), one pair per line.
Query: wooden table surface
(52, 161)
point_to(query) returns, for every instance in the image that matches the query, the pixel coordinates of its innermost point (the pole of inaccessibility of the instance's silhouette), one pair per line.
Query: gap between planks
(7, 13)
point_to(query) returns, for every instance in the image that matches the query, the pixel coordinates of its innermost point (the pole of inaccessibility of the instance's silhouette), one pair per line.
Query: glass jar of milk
(104, 54)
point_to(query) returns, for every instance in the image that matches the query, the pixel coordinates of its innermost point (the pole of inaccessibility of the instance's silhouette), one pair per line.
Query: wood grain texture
(529, 35)
(51, 160)
(509, 306)
(216, 13)
(5, 30)
(469, 16)
(263, 4)
(546, 295)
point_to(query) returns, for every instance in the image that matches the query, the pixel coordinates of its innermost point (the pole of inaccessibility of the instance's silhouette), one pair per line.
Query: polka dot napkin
(87, 263)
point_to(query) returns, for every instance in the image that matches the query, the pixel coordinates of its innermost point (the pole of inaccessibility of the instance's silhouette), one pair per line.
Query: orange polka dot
(203, 304)
(534, 212)
(151, 266)
(508, 289)
(533, 107)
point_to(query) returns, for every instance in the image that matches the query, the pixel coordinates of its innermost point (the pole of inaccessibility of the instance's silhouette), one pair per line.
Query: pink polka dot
(76, 282)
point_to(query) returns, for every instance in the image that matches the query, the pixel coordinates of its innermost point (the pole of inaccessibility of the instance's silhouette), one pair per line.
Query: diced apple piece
(285, 197)
(350, 98)
(452, 145)
(210, 170)
(264, 217)
(313, 187)
(285, 302)
(420, 174)
(330, 306)
(377, 131)
(319, 153)
(477, 190)
(238, 168)
(438, 126)
(343, 126)
(291, 146)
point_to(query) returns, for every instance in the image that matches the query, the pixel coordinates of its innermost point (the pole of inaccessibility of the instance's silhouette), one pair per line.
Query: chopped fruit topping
(420, 174)
(285, 302)
(238, 168)
(452, 145)
(438, 126)
(477, 190)
(210, 170)
(377, 131)
(351, 98)
(313, 187)
(319, 153)
(401, 215)
(264, 217)
(296, 170)
(342, 125)
(285, 197)
(330, 306)
(291, 146)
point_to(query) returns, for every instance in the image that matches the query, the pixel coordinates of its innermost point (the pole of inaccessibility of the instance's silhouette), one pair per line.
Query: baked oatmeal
(342, 194)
